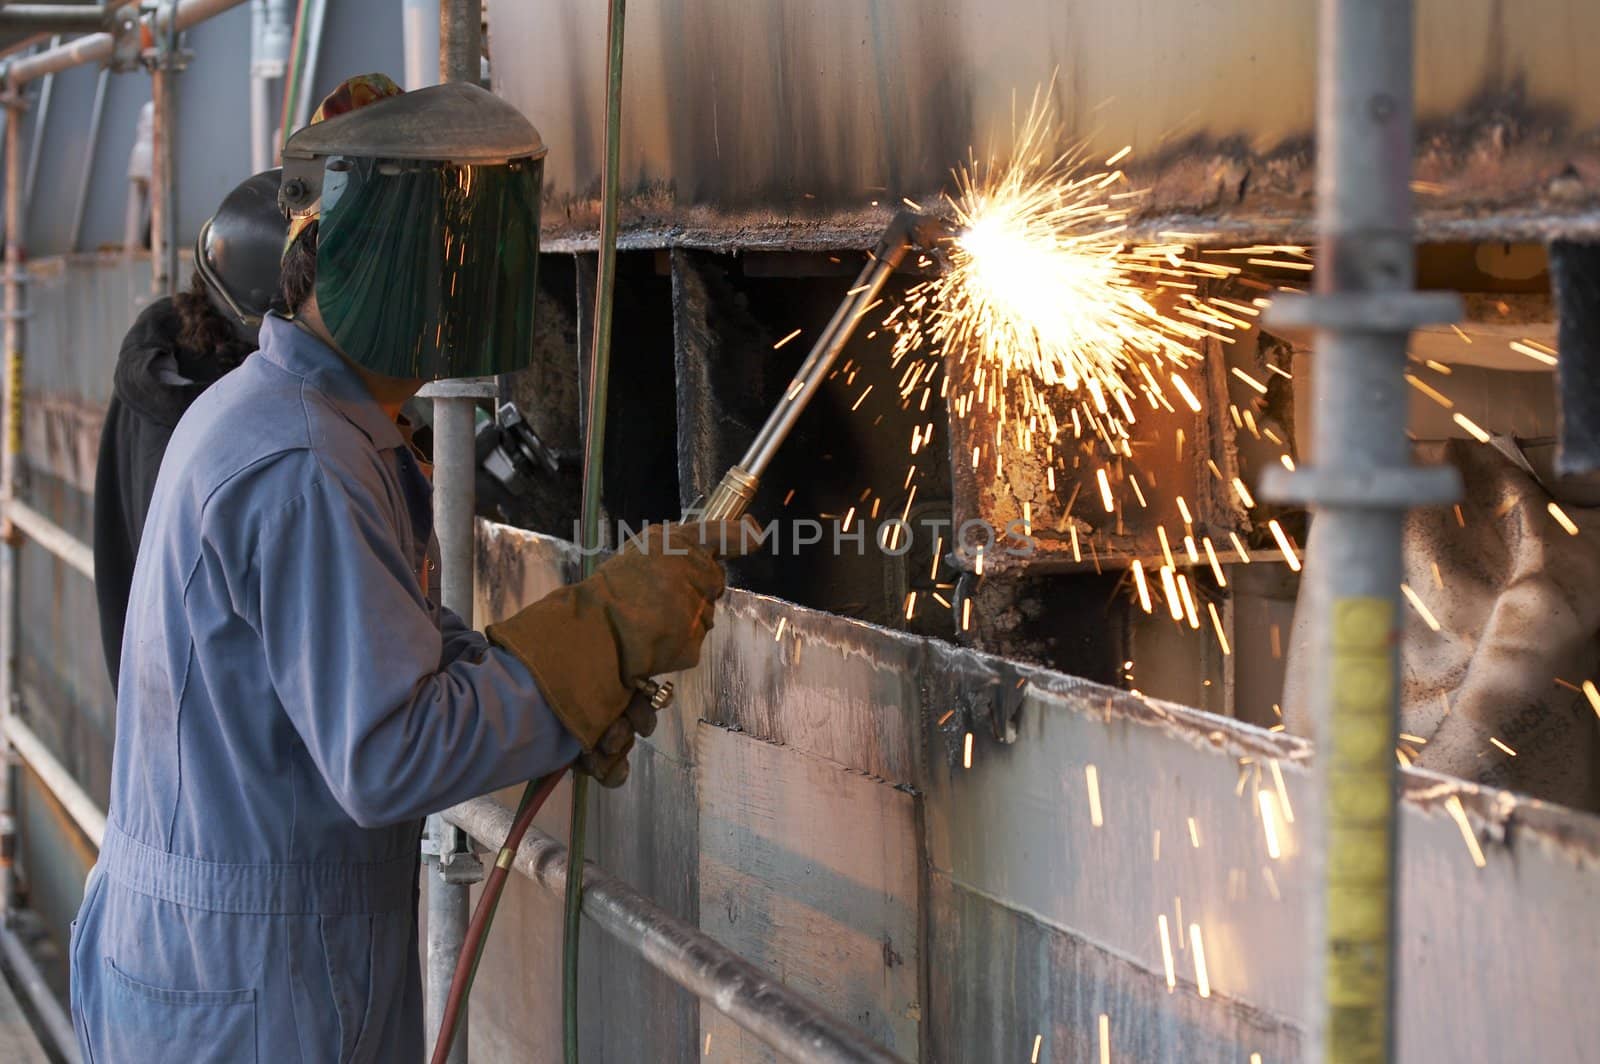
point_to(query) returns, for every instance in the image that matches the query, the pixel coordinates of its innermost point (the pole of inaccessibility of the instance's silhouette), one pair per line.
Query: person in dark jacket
(176, 349)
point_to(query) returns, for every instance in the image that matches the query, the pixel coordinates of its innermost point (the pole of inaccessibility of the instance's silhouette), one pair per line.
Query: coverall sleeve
(398, 727)
(458, 639)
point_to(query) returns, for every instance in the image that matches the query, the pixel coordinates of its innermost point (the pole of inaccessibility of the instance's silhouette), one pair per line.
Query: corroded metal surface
(757, 124)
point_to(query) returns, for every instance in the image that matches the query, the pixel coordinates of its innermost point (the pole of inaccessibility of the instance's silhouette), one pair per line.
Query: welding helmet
(427, 211)
(238, 252)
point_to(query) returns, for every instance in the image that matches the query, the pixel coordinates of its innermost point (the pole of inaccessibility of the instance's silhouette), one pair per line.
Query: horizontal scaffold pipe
(785, 1020)
(53, 18)
(96, 47)
(83, 810)
(52, 537)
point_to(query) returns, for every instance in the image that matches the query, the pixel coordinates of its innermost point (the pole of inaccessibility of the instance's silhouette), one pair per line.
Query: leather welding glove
(644, 612)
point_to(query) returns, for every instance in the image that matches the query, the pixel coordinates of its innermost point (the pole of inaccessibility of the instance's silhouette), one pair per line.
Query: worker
(293, 699)
(176, 349)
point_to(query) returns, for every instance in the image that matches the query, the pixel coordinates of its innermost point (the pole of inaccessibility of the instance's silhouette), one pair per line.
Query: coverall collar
(298, 352)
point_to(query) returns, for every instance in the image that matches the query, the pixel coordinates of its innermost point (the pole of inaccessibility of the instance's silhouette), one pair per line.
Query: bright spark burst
(1042, 282)
(1045, 303)
(1043, 296)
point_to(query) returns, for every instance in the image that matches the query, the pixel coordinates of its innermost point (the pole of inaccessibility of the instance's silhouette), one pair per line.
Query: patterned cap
(351, 94)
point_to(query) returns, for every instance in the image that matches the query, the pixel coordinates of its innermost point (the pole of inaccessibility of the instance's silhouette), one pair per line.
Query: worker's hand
(658, 593)
(608, 761)
(644, 612)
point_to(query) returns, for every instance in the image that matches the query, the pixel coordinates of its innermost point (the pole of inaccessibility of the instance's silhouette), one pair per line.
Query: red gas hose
(533, 800)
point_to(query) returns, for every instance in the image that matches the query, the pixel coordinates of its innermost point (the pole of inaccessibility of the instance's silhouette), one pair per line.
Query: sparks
(1284, 545)
(1143, 585)
(1166, 952)
(1216, 565)
(1283, 792)
(1188, 602)
(1244, 493)
(1105, 1039)
(1592, 693)
(1422, 610)
(1188, 396)
(1091, 776)
(1045, 302)
(1562, 519)
(1525, 347)
(1268, 802)
(1431, 392)
(1216, 621)
(966, 752)
(1201, 979)
(1471, 426)
(1169, 588)
(1459, 815)
(1105, 491)
(1251, 381)
(786, 339)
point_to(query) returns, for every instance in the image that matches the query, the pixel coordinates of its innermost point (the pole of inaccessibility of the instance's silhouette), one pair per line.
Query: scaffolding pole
(10, 540)
(451, 865)
(165, 63)
(1359, 487)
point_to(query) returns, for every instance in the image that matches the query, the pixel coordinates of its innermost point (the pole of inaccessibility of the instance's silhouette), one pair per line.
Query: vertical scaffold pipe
(1359, 485)
(164, 178)
(452, 867)
(10, 541)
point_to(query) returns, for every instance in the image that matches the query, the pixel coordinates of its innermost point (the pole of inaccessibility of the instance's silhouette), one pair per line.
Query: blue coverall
(291, 701)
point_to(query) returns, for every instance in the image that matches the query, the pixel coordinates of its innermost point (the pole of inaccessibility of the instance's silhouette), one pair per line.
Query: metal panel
(1058, 985)
(837, 912)
(830, 687)
(60, 158)
(104, 218)
(771, 116)
(360, 35)
(663, 862)
(1037, 920)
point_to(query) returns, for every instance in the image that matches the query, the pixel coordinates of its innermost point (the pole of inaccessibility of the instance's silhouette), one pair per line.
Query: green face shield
(428, 270)
(427, 205)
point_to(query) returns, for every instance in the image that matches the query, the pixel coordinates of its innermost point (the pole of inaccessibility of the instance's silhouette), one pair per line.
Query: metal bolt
(1382, 107)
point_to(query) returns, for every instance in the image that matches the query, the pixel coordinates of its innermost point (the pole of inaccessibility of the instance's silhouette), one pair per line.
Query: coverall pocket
(347, 943)
(154, 1023)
